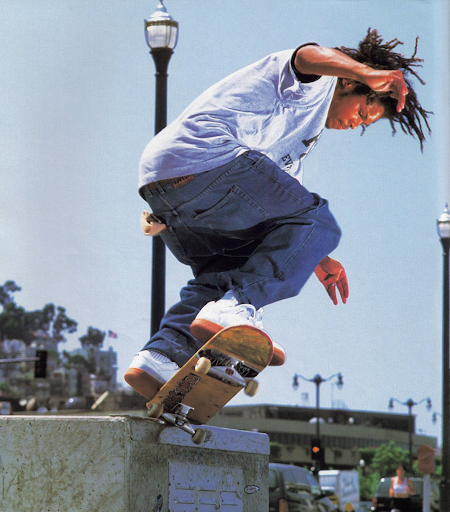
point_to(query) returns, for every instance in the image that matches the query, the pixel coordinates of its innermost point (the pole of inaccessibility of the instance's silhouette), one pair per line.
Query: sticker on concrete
(204, 489)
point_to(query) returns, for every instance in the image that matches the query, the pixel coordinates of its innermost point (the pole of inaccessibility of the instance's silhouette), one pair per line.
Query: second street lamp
(410, 404)
(443, 225)
(161, 34)
(316, 446)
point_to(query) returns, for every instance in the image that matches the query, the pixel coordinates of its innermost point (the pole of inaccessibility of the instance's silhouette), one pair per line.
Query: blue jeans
(246, 226)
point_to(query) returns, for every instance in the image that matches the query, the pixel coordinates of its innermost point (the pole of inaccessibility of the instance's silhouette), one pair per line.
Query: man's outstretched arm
(317, 60)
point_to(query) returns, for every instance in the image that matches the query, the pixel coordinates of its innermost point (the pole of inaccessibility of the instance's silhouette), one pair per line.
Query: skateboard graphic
(225, 365)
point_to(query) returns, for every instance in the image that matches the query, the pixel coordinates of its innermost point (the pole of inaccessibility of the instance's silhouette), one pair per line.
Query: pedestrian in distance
(225, 180)
(401, 489)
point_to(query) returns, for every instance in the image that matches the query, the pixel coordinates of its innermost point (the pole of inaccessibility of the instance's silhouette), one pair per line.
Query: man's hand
(332, 274)
(385, 80)
(317, 60)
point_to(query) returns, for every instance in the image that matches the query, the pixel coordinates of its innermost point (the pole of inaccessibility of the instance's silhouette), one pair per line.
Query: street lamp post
(443, 225)
(410, 404)
(161, 33)
(318, 380)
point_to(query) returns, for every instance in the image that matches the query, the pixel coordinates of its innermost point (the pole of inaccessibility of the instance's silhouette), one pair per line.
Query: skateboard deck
(224, 366)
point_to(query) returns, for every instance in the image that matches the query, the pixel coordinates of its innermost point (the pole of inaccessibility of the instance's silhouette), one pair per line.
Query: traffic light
(317, 452)
(40, 366)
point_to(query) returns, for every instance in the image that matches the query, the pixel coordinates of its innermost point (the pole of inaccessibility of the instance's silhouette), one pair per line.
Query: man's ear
(347, 85)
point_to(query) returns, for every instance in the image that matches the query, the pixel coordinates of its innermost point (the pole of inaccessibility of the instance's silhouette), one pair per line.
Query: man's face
(350, 111)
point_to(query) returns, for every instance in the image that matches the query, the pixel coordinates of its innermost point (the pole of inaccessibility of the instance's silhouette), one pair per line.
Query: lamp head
(443, 224)
(161, 30)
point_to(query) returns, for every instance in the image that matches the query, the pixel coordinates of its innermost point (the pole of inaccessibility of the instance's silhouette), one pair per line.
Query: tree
(12, 322)
(77, 361)
(6, 290)
(387, 457)
(93, 338)
(16, 323)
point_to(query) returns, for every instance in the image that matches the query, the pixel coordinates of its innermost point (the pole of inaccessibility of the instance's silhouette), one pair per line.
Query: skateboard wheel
(251, 388)
(203, 366)
(155, 410)
(199, 436)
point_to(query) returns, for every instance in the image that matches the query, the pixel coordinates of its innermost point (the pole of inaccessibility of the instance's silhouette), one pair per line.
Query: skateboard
(224, 366)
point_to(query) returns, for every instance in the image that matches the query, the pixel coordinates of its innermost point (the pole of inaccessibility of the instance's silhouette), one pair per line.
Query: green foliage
(4, 387)
(275, 451)
(12, 323)
(76, 361)
(16, 323)
(62, 323)
(368, 481)
(387, 457)
(93, 338)
(6, 290)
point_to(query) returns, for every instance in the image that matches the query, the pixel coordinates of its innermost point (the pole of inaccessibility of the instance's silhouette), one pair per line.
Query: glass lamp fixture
(443, 224)
(161, 30)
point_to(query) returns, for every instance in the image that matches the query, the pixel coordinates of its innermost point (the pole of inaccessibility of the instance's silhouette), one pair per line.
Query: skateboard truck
(179, 419)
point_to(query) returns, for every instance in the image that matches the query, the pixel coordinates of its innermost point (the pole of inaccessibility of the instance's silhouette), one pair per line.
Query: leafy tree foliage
(387, 457)
(93, 338)
(77, 361)
(6, 290)
(16, 323)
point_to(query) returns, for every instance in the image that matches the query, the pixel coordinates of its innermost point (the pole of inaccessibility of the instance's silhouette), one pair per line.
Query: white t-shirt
(400, 487)
(263, 107)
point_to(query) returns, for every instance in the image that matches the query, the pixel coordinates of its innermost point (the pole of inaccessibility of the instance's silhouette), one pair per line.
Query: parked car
(295, 489)
(381, 501)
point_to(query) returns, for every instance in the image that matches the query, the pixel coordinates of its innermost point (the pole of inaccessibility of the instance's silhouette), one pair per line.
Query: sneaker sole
(204, 330)
(142, 382)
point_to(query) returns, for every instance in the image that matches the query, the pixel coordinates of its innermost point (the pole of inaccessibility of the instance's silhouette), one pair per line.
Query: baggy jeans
(246, 226)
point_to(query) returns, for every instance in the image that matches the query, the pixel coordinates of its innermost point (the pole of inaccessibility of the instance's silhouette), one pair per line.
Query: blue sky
(77, 109)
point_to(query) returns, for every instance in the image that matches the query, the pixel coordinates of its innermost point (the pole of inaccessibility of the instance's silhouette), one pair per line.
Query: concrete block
(127, 463)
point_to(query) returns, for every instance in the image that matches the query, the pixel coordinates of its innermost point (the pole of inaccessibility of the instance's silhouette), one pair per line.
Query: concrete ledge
(127, 463)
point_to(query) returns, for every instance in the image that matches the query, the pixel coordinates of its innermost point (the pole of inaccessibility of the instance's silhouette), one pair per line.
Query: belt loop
(145, 192)
(159, 188)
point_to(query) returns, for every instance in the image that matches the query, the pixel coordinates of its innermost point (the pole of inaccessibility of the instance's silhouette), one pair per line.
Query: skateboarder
(225, 178)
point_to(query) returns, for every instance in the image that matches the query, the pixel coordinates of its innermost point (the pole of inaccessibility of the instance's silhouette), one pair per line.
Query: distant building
(106, 361)
(343, 432)
(105, 377)
(60, 381)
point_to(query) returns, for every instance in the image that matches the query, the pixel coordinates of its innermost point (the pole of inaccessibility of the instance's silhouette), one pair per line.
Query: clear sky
(76, 111)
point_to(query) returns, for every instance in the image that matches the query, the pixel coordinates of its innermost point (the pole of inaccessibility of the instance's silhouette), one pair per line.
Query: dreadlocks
(378, 55)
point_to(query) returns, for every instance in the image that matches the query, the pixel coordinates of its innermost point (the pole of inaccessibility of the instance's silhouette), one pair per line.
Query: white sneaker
(215, 316)
(149, 371)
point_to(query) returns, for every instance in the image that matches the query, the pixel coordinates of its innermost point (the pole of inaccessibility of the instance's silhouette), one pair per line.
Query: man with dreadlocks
(225, 179)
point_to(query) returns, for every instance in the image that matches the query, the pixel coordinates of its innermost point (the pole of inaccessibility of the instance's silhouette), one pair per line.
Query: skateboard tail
(247, 343)
(204, 330)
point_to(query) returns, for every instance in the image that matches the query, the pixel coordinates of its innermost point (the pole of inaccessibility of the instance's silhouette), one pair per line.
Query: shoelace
(251, 312)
